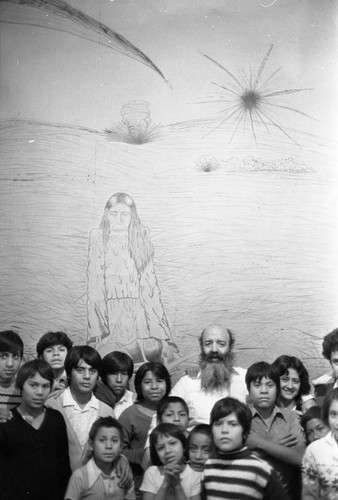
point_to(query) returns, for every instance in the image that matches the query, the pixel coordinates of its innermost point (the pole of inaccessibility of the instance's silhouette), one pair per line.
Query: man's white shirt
(201, 402)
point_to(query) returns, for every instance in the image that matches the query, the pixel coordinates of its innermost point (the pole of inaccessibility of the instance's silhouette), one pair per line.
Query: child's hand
(289, 440)
(5, 415)
(172, 475)
(192, 371)
(124, 472)
(173, 469)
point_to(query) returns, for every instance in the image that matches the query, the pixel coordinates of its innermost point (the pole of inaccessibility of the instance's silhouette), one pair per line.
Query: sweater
(240, 475)
(135, 425)
(34, 463)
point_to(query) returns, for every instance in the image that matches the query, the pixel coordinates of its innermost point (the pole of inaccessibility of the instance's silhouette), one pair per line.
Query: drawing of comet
(58, 15)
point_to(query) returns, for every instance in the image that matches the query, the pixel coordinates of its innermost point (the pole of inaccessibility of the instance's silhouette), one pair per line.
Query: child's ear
(90, 445)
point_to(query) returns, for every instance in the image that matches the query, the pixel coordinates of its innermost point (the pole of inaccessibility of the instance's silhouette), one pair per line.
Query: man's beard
(216, 374)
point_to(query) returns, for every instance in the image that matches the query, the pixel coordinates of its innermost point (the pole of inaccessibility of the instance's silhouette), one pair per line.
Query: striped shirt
(9, 397)
(240, 475)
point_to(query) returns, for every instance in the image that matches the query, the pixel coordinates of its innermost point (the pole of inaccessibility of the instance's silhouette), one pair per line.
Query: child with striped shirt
(234, 471)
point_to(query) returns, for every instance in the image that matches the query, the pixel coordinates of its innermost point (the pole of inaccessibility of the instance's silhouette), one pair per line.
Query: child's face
(333, 418)
(153, 388)
(117, 382)
(9, 366)
(334, 363)
(227, 433)
(315, 429)
(169, 449)
(83, 378)
(55, 356)
(200, 447)
(35, 391)
(263, 393)
(289, 385)
(107, 445)
(176, 414)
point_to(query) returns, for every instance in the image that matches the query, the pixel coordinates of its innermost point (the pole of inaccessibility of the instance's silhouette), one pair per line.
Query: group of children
(71, 429)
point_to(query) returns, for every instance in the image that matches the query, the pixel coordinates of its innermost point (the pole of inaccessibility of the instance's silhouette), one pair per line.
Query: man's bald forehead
(216, 329)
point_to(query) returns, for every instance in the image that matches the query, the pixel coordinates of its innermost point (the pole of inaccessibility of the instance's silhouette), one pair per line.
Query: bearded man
(217, 378)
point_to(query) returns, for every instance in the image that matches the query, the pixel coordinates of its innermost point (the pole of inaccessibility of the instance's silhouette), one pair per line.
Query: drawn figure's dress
(123, 304)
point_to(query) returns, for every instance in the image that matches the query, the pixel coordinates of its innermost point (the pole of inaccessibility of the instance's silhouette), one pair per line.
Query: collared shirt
(201, 402)
(91, 483)
(80, 419)
(127, 400)
(320, 469)
(281, 422)
(94, 474)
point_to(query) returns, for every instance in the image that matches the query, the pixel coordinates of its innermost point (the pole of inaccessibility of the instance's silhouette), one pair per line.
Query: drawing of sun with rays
(252, 97)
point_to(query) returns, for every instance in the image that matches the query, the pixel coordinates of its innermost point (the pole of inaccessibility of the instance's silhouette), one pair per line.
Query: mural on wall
(65, 18)
(210, 128)
(125, 311)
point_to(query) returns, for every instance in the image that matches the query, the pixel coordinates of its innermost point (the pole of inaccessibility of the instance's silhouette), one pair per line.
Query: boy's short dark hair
(166, 430)
(51, 339)
(85, 352)
(310, 414)
(330, 344)
(109, 422)
(204, 429)
(329, 398)
(29, 369)
(157, 369)
(165, 402)
(11, 342)
(259, 370)
(116, 362)
(226, 406)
